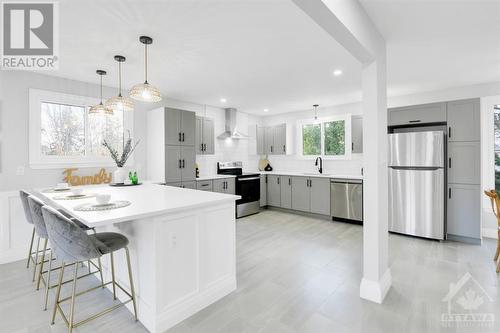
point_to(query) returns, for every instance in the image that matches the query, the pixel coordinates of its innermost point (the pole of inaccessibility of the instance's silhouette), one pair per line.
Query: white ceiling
(256, 54)
(438, 44)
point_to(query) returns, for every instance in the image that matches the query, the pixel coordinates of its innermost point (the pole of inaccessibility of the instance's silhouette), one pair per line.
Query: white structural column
(347, 22)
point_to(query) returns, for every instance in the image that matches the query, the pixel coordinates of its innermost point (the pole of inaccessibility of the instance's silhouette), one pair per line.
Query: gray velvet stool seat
(72, 245)
(24, 201)
(35, 208)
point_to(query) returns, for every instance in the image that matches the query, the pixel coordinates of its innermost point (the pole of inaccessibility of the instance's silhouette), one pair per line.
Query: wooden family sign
(99, 178)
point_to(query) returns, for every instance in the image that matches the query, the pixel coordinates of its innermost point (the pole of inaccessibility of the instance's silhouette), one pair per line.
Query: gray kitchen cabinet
(191, 185)
(225, 185)
(273, 191)
(263, 190)
(279, 139)
(205, 141)
(204, 185)
(188, 157)
(286, 191)
(417, 114)
(179, 127)
(173, 164)
(320, 195)
(357, 134)
(268, 140)
(463, 120)
(301, 196)
(464, 211)
(464, 162)
(260, 140)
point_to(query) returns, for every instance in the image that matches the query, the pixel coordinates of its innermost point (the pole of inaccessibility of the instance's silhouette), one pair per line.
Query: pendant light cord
(146, 62)
(120, 77)
(101, 88)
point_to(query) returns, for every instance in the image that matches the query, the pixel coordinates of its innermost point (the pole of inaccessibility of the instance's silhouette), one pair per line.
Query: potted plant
(120, 174)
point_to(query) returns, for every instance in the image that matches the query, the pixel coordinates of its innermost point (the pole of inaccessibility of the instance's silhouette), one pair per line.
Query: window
(62, 133)
(325, 137)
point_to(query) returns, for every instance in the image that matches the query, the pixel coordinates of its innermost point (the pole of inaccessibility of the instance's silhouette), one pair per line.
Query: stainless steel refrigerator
(416, 183)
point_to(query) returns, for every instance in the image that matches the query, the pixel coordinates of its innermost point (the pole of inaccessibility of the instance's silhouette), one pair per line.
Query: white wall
(293, 162)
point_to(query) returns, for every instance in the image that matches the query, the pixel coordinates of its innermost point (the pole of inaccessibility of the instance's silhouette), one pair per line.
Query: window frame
(39, 161)
(347, 134)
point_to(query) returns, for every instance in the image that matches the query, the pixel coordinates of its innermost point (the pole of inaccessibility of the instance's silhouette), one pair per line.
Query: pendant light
(120, 103)
(315, 106)
(100, 108)
(144, 91)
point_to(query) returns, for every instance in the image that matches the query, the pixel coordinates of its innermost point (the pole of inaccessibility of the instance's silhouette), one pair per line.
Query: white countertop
(311, 174)
(147, 200)
(209, 177)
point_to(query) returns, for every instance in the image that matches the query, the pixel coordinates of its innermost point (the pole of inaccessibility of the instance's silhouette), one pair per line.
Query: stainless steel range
(247, 186)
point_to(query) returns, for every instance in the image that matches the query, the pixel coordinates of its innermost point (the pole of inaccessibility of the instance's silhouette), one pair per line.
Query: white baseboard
(376, 291)
(12, 255)
(489, 233)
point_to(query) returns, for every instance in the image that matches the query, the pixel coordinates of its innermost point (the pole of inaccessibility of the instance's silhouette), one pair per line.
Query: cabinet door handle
(449, 193)
(284, 148)
(449, 162)
(180, 164)
(183, 163)
(290, 181)
(278, 179)
(449, 132)
(201, 146)
(352, 146)
(182, 136)
(414, 121)
(310, 183)
(307, 182)
(223, 185)
(271, 149)
(179, 136)
(204, 147)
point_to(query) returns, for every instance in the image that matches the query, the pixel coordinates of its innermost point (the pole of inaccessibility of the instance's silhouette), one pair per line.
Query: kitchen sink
(315, 174)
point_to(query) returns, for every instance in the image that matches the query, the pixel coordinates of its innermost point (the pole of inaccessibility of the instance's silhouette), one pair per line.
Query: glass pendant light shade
(100, 108)
(120, 103)
(145, 92)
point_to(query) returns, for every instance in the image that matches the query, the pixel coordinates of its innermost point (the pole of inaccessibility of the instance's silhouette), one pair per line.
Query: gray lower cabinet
(226, 185)
(426, 113)
(286, 191)
(191, 185)
(273, 191)
(205, 139)
(463, 120)
(263, 190)
(464, 162)
(173, 164)
(320, 195)
(357, 134)
(204, 185)
(188, 157)
(301, 197)
(464, 217)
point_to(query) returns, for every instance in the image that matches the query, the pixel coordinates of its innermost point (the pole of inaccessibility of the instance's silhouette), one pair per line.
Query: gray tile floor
(299, 274)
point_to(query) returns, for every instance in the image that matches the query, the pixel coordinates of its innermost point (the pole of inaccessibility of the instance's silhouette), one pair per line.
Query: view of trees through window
(327, 138)
(497, 148)
(68, 130)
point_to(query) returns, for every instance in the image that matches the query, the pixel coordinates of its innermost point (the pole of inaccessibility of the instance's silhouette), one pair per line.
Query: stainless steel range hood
(231, 128)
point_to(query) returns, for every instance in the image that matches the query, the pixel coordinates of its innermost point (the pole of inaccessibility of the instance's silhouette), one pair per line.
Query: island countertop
(147, 200)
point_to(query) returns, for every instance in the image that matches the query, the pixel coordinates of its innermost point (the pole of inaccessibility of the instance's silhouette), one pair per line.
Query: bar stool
(72, 245)
(27, 213)
(35, 206)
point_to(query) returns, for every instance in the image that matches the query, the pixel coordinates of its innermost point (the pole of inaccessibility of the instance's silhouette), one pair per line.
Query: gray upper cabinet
(418, 114)
(301, 197)
(286, 191)
(188, 123)
(464, 211)
(279, 144)
(320, 195)
(273, 191)
(464, 162)
(268, 140)
(463, 120)
(260, 140)
(357, 134)
(204, 138)
(263, 190)
(173, 164)
(179, 127)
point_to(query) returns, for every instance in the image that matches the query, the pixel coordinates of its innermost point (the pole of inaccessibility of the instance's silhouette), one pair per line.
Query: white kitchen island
(182, 246)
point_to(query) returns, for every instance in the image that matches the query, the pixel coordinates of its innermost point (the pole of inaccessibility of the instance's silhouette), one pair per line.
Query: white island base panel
(181, 263)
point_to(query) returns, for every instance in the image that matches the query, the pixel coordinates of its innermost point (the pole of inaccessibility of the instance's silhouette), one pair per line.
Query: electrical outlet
(20, 170)
(173, 241)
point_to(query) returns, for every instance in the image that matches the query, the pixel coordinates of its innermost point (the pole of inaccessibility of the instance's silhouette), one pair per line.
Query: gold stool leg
(31, 248)
(36, 258)
(47, 283)
(58, 293)
(132, 291)
(41, 264)
(113, 275)
(100, 271)
(72, 310)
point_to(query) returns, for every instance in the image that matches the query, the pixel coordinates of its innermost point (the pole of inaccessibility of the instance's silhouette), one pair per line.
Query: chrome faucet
(320, 169)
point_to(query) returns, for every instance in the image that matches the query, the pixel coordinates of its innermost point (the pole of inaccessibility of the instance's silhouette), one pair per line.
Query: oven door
(248, 188)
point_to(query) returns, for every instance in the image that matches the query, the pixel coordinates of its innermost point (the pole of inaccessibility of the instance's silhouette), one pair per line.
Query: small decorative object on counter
(268, 167)
(197, 171)
(120, 160)
(134, 179)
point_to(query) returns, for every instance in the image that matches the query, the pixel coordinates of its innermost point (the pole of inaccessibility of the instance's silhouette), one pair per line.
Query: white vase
(119, 175)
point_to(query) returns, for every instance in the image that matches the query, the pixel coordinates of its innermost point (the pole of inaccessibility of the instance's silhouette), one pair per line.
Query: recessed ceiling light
(337, 72)
(223, 100)
(266, 110)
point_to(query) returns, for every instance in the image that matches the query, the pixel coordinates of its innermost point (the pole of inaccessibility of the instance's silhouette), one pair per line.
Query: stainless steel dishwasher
(346, 199)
